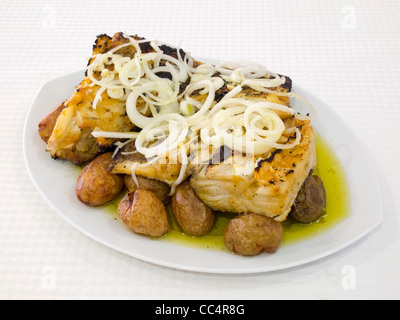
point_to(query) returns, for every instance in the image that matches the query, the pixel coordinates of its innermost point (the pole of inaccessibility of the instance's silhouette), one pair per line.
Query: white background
(345, 52)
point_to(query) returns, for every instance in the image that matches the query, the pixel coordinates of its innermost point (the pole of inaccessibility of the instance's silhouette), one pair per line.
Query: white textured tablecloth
(345, 52)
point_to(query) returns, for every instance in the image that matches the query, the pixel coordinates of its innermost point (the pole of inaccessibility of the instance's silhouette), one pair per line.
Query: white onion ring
(175, 128)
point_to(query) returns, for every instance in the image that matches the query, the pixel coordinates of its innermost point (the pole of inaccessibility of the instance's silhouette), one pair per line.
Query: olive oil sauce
(328, 169)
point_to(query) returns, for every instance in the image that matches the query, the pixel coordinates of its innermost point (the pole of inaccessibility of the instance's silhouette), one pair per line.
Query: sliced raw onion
(174, 103)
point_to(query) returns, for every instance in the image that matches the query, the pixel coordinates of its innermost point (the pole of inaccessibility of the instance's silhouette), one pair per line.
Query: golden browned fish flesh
(269, 187)
(127, 161)
(71, 138)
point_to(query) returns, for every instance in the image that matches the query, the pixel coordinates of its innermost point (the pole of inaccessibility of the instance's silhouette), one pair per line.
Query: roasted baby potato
(46, 125)
(310, 202)
(190, 213)
(96, 185)
(142, 212)
(159, 188)
(250, 234)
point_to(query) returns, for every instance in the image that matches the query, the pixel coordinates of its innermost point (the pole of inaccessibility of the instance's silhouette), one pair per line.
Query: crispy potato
(310, 202)
(96, 185)
(159, 188)
(250, 234)
(142, 212)
(190, 213)
(46, 125)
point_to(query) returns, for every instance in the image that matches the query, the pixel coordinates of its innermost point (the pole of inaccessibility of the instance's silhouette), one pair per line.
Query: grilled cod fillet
(71, 138)
(269, 189)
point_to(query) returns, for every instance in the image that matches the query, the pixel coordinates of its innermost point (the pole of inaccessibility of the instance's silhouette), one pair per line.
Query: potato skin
(190, 213)
(142, 212)
(96, 185)
(159, 188)
(310, 202)
(46, 125)
(250, 234)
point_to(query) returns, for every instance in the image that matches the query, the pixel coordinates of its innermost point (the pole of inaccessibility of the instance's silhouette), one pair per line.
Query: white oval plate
(55, 180)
